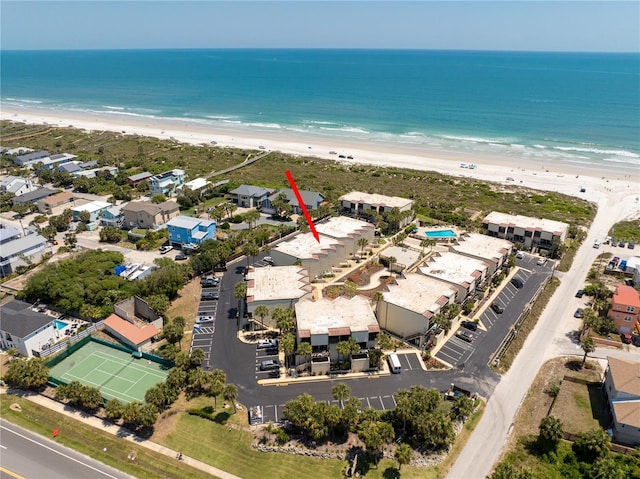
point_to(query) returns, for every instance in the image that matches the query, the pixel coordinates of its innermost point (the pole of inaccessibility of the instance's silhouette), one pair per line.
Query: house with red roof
(625, 308)
(138, 337)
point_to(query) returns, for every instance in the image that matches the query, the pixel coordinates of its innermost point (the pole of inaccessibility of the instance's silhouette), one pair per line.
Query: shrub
(282, 436)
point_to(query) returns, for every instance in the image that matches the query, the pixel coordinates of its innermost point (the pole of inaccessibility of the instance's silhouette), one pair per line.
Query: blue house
(188, 232)
(166, 183)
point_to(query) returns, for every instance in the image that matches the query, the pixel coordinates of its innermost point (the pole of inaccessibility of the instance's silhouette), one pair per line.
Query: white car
(520, 255)
(205, 319)
(541, 261)
(596, 245)
(165, 249)
(267, 343)
(268, 259)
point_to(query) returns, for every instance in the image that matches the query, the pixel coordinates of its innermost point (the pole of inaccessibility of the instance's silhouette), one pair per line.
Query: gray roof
(36, 155)
(19, 320)
(309, 197)
(250, 190)
(33, 196)
(69, 167)
(6, 233)
(140, 176)
(88, 164)
(16, 246)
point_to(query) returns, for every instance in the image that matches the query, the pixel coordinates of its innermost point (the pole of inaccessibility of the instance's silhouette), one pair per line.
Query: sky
(601, 26)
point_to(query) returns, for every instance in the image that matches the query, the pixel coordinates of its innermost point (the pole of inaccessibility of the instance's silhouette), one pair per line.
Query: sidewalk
(118, 432)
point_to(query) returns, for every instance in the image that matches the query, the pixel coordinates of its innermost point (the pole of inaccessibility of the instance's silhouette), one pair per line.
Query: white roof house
(348, 230)
(375, 201)
(465, 273)
(317, 257)
(17, 185)
(409, 305)
(531, 232)
(342, 317)
(491, 250)
(95, 208)
(196, 184)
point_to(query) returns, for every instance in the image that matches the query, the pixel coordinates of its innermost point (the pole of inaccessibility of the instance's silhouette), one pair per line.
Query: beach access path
(547, 340)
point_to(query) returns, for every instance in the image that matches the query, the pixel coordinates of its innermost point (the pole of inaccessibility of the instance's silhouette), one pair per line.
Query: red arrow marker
(312, 227)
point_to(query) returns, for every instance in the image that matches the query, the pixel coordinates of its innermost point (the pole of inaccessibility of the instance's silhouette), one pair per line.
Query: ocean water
(571, 107)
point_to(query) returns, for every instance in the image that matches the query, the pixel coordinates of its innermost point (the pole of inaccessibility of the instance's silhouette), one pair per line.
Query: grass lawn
(91, 441)
(580, 407)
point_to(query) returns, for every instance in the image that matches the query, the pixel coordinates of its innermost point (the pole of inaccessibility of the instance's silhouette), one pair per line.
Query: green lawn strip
(626, 231)
(230, 449)
(91, 442)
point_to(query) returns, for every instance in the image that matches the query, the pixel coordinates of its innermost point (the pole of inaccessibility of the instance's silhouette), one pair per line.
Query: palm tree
(230, 393)
(230, 208)
(550, 432)
(287, 346)
(250, 249)
(403, 454)
(251, 217)
(305, 349)
(362, 243)
(391, 259)
(284, 318)
(261, 311)
(590, 320)
(216, 379)
(588, 345)
(340, 392)
(196, 356)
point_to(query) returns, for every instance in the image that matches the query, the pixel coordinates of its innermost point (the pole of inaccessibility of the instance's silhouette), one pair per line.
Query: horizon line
(138, 49)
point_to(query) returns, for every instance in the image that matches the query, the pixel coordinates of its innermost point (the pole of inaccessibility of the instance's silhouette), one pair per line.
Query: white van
(394, 363)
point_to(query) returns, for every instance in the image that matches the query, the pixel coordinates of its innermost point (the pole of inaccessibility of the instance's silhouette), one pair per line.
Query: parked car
(520, 255)
(165, 249)
(631, 245)
(268, 259)
(596, 244)
(621, 244)
(580, 293)
(465, 336)
(578, 313)
(205, 319)
(267, 343)
(209, 281)
(209, 295)
(517, 282)
(625, 338)
(497, 308)
(180, 257)
(541, 261)
(269, 364)
(635, 339)
(470, 325)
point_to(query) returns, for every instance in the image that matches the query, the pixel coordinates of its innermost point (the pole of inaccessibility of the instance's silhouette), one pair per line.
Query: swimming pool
(60, 325)
(441, 234)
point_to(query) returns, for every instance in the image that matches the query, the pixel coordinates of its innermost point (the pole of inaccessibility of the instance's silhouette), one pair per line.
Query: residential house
(27, 159)
(409, 305)
(366, 204)
(92, 173)
(113, 216)
(166, 183)
(145, 214)
(70, 167)
(276, 287)
(136, 309)
(493, 251)
(349, 231)
(53, 161)
(622, 389)
(8, 233)
(17, 185)
(94, 208)
(20, 251)
(312, 200)
(135, 180)
(317, 257)
(46, 206)
(359, 202)
(533, 233)
(27, 330)
(464, 273)
(197, 185)
(324, 323)
(625, 309)
(188, 232)
(249, 196)
(33, 196)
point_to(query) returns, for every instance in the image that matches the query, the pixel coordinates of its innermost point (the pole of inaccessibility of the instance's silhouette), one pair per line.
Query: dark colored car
(580, 293)
(635, 340)
(625, 338)
(180, 257)
(208, 295)
(578, 313)
(464, 336)
(470, 325)
(631, 245)
(517, 282)
(269, 365)
(497, 308)
(621, 244)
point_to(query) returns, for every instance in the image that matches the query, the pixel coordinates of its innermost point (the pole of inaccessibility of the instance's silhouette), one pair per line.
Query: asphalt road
(30, 456)
(237, 359)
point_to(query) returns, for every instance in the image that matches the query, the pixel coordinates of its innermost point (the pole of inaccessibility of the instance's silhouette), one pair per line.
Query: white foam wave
(23, 100)
(274, 126)
(347, 129)
(318, 122)
(598, 151)
(113, 107)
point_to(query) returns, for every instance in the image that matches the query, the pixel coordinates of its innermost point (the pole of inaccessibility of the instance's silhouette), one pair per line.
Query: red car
(626, 338)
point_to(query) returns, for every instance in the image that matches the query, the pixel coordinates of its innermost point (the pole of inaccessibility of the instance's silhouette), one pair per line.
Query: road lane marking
(58, 452)
(11, 473)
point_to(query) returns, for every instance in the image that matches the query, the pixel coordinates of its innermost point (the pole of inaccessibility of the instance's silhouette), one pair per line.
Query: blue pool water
(60, 325)
(441, 234)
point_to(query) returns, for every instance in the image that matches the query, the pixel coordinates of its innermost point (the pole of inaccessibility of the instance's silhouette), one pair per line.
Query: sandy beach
(598, 184)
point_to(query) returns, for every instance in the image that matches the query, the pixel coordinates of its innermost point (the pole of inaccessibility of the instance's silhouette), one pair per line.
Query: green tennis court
(115, 373)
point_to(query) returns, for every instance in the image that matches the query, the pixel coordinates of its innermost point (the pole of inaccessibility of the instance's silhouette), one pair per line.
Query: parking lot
(205, 325)
(265, 354)
(460, 347)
